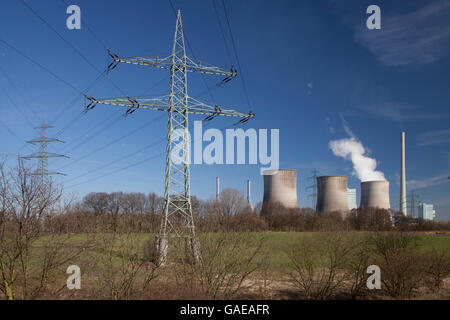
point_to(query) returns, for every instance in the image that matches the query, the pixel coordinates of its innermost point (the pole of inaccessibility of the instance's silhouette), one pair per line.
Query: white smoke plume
(352, 149)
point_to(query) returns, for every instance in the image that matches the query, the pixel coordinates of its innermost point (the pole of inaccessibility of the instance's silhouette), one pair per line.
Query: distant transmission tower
(43, 155)
(413, 203)
(313, 187)
(178, 219)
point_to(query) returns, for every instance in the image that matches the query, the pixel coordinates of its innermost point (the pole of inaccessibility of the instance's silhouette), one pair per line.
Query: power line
(98, 132)
(118, 160)
(102, 73)
(132, 165)
(16, 107)
(113, 142)
(11, 131)
(221, 31)
(41, 66)
(236, 54)
(11, 83)
(117, 170)
(72, 103)
(95, 133)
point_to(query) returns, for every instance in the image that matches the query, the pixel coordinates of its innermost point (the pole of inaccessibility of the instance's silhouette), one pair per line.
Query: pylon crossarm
(191, 65)
(44, 155)
(161, 103)
(157, 62)
(44, 140)
(202, 67)
(198, 106)
(46, 173)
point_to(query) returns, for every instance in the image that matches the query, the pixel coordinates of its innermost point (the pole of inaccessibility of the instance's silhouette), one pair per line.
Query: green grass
(277, 243)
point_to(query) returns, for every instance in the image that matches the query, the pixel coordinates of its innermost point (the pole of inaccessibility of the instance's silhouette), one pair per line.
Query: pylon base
(161, 246)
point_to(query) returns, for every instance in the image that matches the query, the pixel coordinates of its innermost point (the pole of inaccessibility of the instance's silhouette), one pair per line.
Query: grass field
(278, 243)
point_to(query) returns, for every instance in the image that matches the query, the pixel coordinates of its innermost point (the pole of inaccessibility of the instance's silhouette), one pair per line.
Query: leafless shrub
(437, 269)
(356, 264)
(402, 265)
(227, 260)
(122, 271)
(318, 265)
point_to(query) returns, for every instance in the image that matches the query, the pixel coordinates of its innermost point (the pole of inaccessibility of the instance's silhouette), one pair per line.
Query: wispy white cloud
(331, 129)
(347, 127)
(434, 137)
(418, 37)
(375, 100)
(447, 155)
(395, 111)
(428, 182)
(310, 87)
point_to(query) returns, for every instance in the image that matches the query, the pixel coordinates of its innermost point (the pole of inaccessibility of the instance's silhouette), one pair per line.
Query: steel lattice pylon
(43, 155)
(313, 187)
(178, 219)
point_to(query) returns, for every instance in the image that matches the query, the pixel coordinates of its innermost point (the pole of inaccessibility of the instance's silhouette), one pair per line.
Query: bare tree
(96, 201)
(28, 261)
(231, 202)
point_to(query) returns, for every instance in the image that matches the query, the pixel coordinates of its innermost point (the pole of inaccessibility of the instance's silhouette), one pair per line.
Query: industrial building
(280, 186)
(332, 194)
(375, 194)
(426, 211)
(351, 196)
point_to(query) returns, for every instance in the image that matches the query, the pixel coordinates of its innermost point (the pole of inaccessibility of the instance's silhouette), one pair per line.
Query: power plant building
(375, 194)
(280, 186)
(426, 211)
(351, 195)
(332, 194)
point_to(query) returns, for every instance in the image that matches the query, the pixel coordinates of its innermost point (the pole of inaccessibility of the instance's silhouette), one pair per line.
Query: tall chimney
(217, 188)
(249, 201)
(403, 179)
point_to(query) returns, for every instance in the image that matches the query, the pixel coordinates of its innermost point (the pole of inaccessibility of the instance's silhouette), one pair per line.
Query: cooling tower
(280, 186)
(332, 194)
(375, 194)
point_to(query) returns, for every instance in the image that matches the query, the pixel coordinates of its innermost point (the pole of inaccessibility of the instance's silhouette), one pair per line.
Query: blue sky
(309, 67)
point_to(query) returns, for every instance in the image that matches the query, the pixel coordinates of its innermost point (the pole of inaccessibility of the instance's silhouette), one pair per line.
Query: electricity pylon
(313, 187)
(177, 220)
(43, 155)
(413, 203)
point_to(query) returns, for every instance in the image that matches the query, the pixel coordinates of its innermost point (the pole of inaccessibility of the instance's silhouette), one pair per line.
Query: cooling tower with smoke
(363, 166)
